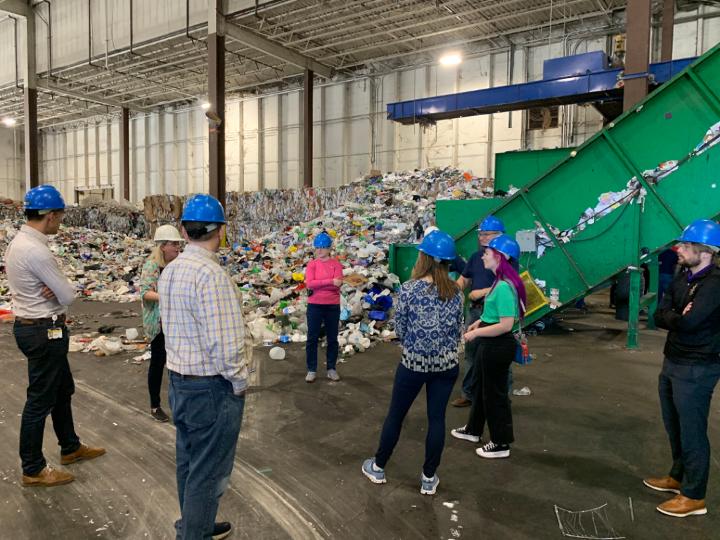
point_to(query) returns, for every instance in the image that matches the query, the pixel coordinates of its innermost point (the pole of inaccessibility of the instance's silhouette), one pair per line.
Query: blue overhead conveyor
(582, 78)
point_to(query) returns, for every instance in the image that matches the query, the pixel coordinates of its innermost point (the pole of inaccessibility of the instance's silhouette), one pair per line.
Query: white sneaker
(310, 377)
(460, 433)
(333, 375)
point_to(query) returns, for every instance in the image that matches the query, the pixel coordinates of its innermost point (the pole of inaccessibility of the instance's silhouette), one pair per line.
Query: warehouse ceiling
(351, 36)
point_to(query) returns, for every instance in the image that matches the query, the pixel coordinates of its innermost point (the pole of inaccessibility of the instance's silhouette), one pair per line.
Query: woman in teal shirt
(496, 347)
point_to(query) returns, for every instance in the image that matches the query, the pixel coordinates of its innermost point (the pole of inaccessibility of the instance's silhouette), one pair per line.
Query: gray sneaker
(310, 377)
(333, 375)
(428, 486)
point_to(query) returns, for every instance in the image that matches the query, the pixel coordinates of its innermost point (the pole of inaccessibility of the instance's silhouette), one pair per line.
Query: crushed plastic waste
(267, 259)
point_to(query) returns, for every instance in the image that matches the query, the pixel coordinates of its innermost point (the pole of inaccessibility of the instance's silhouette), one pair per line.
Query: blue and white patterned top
(429, 328)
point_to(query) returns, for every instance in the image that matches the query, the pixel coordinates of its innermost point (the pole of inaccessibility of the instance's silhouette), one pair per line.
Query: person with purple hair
(496, 348)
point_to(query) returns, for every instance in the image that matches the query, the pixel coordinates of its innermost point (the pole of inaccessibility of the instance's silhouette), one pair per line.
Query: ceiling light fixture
(9, 122)
(450, 59)
(205, 105)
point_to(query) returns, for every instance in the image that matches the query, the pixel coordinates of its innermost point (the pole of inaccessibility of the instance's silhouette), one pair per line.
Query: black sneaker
(221, 530)
(461, 433)
(159, 415)
(494, 451)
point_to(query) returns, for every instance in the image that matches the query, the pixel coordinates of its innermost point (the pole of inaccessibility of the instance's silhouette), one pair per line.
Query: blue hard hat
(438, 245)
(491, 223)
(506, 245)
(204, 208)
(322, 241)
(702, 231)
(44, 198)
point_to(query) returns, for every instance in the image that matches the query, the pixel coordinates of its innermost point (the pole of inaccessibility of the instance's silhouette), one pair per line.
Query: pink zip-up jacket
(319, 277)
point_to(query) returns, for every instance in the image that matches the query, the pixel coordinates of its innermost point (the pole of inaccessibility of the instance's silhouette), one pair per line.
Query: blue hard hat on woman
(322, 241)
(491, 224)
(203, 208)
(506, 245)
(438, 245)
(702, 231)
(44, 198)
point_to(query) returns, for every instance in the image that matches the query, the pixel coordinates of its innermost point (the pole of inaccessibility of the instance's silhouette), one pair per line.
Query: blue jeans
(207, 418)
(406, 387)
(319, 315)
(50, 389)
(685, 395)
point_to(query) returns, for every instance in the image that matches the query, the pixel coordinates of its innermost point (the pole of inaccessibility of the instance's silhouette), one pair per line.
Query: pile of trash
(363, 218)
(92, 213)
(255, 214)
(103, 266)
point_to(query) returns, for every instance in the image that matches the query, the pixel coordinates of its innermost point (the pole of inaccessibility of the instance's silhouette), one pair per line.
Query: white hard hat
(167, 233)
(430, 229)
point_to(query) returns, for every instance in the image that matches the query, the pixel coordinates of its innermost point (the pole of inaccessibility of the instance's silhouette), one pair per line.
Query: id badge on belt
(55, 333)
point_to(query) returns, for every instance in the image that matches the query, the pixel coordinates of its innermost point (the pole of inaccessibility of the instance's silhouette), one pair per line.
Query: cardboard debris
(267, 256)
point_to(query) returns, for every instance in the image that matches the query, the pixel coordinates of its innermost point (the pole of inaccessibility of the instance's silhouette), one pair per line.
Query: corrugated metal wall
(351, 133)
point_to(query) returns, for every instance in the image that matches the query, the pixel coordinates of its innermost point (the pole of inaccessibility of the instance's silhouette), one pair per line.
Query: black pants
(50, 387)
(491, 403)
(685, 395)
(319, 315)
(406, 387)
(158, 356)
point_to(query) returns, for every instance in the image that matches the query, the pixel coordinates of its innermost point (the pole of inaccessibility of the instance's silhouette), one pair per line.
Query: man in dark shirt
(479, 280)
(690, 310)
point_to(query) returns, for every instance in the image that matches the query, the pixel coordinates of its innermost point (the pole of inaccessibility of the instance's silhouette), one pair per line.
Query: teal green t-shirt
(501, 302)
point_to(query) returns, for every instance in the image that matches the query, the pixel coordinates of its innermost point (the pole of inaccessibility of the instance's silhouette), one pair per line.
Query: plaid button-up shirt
(202, 318)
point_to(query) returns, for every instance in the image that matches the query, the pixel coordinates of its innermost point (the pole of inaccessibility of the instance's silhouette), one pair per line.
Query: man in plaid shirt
(202, 320)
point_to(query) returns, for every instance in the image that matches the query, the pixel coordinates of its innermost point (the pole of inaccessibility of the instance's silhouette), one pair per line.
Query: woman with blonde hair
(429, 323)
(167, 247)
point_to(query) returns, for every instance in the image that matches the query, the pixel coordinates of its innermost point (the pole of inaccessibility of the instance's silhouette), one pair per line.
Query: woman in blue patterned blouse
(429, 323)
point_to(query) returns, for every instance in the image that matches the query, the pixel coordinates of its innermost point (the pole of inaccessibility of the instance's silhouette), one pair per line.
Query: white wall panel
(264, 136)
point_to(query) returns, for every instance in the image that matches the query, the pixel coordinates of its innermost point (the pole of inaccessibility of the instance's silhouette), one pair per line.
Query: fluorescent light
(205, 105)
(9, 122)
(450, 59)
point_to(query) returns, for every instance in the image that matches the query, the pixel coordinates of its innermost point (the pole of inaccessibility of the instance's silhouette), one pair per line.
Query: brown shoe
(681, 506)
(48, 477)
(666, 483)
(461, 402)
(82, 453)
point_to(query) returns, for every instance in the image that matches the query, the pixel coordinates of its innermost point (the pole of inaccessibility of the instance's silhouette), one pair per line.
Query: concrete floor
(585, 437)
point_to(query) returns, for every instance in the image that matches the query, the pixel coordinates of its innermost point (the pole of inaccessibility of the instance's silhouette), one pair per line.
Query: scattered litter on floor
(450, 504)
(592, 524)
(524, 391)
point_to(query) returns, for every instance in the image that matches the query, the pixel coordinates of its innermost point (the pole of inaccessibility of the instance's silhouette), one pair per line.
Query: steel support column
(216, 97)
(125, 153)
(308, 129)
(637, 59)
(668, 25)
(30, 106)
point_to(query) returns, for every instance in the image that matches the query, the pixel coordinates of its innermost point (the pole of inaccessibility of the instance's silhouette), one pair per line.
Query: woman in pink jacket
(323, 278)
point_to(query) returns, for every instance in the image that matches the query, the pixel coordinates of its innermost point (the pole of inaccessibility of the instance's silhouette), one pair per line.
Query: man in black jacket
(690, 310)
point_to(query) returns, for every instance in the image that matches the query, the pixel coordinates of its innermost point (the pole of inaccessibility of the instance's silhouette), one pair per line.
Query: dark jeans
(50, 387)
(491, 403)
(157, 366)
(664, 281)
(319, 315)
(207, 419)
(685, 395)
(470, 379)
(406, 387)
